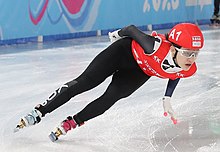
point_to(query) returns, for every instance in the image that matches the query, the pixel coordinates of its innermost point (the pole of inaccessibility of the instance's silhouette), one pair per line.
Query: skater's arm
(171, 87)
(146, 41)
(168, 110)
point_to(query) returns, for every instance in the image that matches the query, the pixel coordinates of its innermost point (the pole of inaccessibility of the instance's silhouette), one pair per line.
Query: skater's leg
(103, 65)
(123, 84)
(128, 78)
(216, 7)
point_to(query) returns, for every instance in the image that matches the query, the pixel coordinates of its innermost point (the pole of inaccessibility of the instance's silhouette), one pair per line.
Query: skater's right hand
(114, 36)
(168, 109)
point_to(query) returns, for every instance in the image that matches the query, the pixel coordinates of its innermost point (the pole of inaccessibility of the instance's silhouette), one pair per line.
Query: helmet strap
(174, 59)
(175, 45)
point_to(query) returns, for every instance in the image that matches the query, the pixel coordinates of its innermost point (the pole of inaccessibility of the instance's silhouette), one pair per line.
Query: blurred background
(44, 20)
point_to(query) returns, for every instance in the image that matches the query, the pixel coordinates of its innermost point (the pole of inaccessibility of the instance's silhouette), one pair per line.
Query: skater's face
(185, 57)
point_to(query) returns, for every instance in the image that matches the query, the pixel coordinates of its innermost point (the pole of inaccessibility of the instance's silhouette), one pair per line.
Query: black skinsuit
(116, 61)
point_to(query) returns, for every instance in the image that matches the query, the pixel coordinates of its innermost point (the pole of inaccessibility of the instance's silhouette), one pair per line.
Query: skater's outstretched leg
(119, 88)
(104, 65)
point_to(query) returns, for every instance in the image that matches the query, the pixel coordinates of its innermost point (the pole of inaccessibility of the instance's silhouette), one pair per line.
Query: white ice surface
(31, 72)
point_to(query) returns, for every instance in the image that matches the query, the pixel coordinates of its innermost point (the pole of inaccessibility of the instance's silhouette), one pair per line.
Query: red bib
(152, 64)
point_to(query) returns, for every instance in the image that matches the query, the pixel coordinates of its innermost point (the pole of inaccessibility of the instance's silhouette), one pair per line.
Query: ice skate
(63, 128)
(215, 20)
(30, 119)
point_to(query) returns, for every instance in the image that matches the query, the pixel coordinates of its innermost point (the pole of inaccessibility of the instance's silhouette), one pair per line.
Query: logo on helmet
(196, 38)
(175, 35)
(196, 41)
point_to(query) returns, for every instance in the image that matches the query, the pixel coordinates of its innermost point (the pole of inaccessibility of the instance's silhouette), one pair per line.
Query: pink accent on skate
(72, 123)
(68, 124)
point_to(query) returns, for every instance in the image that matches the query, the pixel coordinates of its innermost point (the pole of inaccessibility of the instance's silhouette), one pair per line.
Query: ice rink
(31, 72)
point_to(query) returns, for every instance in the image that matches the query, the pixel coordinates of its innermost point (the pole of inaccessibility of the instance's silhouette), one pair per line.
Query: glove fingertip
(165, 114)
(174, 120)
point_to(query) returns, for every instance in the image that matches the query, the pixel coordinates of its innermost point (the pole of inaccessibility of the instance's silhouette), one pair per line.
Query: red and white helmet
(186, 35)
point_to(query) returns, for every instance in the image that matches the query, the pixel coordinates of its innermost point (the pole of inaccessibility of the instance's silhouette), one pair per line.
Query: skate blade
(16, 130)
(20, 126)
(54, 135)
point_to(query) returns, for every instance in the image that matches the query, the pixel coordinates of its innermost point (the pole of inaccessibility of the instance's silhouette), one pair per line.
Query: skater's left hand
(168, 109)
(113, 36)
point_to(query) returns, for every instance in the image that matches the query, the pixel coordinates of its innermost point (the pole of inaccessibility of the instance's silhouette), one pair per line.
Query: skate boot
(215, 20)
(64, 127)
(30, 119)
(218, 20)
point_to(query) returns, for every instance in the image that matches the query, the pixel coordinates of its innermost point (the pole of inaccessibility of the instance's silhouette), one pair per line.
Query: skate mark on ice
(170, 143)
